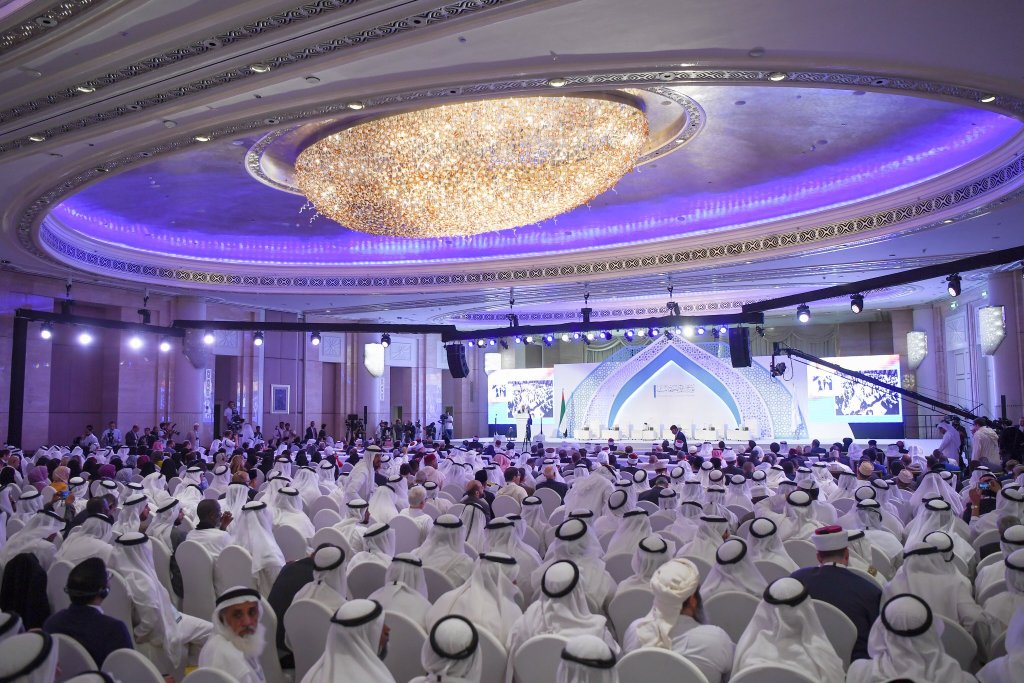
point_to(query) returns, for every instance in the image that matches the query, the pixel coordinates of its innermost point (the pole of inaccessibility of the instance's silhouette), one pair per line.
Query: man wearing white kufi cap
(484, 598)
(161, 632)
(329, 586)
(561, 609)
(1001, 607)
(674, 622)
(444, 549)
(356, 644)
(405, 589)
(451, 653)
(587, 659)
(906, 645)
(28, 658)
(734, 570)
(239, 636)
(834, 583)
(785, 630)
(1001, 669)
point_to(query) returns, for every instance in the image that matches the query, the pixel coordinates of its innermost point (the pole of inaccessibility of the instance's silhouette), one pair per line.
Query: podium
(521, 427)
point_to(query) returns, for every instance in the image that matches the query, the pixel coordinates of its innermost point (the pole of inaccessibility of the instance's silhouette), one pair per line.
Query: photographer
(984, 442)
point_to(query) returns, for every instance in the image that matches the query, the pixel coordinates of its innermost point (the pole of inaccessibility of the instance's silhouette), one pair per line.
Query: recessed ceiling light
(948, 221)
(557, 82)
(203, 138)
(86, 88)
(259, 68)
(776, 76)
(312, 80)
(756, 52)
(987, 99)
(355, 105)
(38, 137)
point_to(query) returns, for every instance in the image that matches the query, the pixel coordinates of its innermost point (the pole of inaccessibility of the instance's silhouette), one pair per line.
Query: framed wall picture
(280, 398)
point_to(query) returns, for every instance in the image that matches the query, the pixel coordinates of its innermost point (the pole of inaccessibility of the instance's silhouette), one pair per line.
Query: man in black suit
(549, 482)
(832, 582)
(84, 620)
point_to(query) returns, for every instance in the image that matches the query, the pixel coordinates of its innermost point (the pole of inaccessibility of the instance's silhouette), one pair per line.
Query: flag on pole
(561, 415)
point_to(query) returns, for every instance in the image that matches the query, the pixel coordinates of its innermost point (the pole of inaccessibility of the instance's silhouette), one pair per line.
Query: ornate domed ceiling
(157, 149)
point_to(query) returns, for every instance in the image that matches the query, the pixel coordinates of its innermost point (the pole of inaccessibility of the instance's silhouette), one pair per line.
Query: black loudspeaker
(739, 346)
(457, 364)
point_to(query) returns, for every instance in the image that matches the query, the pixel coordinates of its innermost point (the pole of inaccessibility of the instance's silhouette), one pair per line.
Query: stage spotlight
(701, 330)
(385, 340)
(257, 338)
(640, 332)
(803, 313)
(669, 335)
(628, 334)
(857, 303)
(759, 330)
(84, 338)
(586, 341)
(504, 343)
(208, 338)
(47, 331)
(953, 284)
(314, 338)
(590, 336)
(606, 335)
(715, 333)
(653, 332)
(165, 346)
(549, 339)
(491, 342)
(135, 342)
(518, 339)
(576, 336)
(480, 343)
(688, 331)
(723, 330)
(529, 339)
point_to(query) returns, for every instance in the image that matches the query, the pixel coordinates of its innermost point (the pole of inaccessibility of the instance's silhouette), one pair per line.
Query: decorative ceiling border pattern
(444, 13)
(43, 22)
(988, 184)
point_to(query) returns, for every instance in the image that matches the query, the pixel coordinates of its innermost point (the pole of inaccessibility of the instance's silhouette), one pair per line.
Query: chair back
(803, 552)
(212, 494)
(306, 622)
(647, 505)
(437, 584)
(656, 664)
(235, 564)
(771, 673)
(557, 517)
(291, 542)
(56, 580)
(531, 538)
(364, 579)
(404, 647)
(131, 665)
(620, 567)
(771, 570)
(843, 505)
(628, 606)
(494, 657)
(659, 522)
(325, 518)
(537, 659)
(882, 563)
(207, 675)
(431, 509)
(162, 565)
(453, 490)
(196, 566)
(959, 644)
(731, 611)
(991, 558)
(505, 505)
(702, 566)
(407, 533)
(549, 498)
(118, 603)
(270, 661)
(323, 503)
(839, 630)
(72, 658)
(14, 526)
(998, 647)
(991, 590)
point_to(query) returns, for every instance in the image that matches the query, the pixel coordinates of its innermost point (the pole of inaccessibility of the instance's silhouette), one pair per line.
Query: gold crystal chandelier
(473, 167)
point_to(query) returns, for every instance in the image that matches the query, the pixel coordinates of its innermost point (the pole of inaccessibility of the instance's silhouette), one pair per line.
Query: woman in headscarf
(60, 478)
(785, 631)
(905, 644)
(405, 589)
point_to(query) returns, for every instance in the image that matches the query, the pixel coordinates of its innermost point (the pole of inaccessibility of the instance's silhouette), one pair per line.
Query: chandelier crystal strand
(473, 167)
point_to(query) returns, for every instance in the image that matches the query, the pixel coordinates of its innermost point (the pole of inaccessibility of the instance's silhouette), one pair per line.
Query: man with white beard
(238, 636)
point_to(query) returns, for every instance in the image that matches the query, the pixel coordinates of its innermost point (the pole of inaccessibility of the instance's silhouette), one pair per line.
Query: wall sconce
(991, 328)
(917, 349)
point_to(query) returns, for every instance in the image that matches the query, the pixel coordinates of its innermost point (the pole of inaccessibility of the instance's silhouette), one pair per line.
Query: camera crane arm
(778, 349)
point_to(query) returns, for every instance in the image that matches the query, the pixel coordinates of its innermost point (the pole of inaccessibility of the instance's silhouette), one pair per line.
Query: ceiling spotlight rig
(857, 303)
(586, 310)
(953, 285)
(385, 340)
(803, 313)
(144, 312)
(672, 306)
